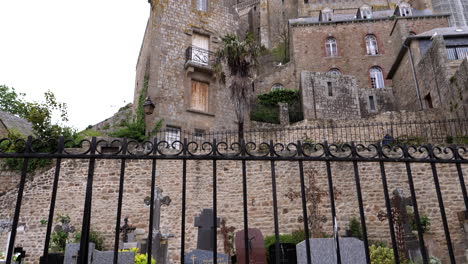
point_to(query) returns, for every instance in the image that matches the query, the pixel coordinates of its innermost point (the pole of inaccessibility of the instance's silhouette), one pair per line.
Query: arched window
(334, 71)
(277, 86)
(331, 48)
(371, 45)
(377, 79)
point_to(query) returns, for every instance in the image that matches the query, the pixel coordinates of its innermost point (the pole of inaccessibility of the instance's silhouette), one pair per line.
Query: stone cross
(159, 240)
(126, 229)
(206, 227)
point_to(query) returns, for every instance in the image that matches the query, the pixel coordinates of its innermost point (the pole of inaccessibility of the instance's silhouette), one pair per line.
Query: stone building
(175, 63)
(458, 9)
(431, 71)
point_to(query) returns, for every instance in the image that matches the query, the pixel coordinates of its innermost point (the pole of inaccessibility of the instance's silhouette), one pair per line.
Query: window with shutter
(200, 48)
(199, 96)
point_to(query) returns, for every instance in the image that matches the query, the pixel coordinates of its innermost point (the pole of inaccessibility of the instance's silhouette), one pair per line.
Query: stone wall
(70, 199)
(384, 101)
(314, 6)
(283, 74)
(125, 114)
(327, 96)
(458, 102)
(441, 82)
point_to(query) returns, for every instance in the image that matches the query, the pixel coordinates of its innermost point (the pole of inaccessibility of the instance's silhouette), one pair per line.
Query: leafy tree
(241, 58)
(40, 115)
(12, 102)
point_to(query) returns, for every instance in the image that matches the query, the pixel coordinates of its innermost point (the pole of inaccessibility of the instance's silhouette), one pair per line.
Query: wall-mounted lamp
(148, 106)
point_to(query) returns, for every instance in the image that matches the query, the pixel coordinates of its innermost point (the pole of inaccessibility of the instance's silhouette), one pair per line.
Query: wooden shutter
(199, 96)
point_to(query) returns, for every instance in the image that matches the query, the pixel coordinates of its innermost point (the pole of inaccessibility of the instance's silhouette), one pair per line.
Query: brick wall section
(199, 183)
(308, 43)
(168, 35)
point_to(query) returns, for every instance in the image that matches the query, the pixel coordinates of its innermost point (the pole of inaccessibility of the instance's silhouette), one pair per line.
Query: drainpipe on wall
(414, 76)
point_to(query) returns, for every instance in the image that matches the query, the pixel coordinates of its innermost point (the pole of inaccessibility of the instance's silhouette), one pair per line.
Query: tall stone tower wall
(170, 32)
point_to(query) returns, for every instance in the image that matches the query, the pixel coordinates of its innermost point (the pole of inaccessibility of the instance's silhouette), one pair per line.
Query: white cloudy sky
(84, 51)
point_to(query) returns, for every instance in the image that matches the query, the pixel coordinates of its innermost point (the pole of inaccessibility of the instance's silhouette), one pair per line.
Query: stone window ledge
(332, 58)
(376, 55)
(200, 112)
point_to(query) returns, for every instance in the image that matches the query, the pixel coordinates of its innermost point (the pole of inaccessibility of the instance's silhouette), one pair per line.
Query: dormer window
(405, 9)
(365, 12)
(327, 14)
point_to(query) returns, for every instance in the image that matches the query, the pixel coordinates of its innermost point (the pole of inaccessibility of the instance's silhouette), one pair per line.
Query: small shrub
(354, 228)
(94, 237)
(381, 255)
(424, 220)
(140, 258)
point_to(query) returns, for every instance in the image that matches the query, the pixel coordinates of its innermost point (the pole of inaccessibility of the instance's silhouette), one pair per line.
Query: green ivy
(136, 129)
(279, 96)
(266, 107)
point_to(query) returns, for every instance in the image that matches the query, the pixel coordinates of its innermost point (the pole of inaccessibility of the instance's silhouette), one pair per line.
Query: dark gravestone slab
(107, 257)
(71, 253)
(323, 251)
(205, 225)
(287, 254)
(257, 253)
(204, 257)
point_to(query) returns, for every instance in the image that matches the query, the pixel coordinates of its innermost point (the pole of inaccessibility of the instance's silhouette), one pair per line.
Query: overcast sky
(84, 51)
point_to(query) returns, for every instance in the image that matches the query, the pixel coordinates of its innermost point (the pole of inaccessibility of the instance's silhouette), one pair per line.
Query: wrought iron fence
(244, 152)
(417, 133)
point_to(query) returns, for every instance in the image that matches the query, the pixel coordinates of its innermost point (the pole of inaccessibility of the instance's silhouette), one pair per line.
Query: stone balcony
(200, 59)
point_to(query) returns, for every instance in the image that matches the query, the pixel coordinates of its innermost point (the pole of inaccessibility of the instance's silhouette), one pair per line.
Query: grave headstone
(126, 230)
(107, 257)
(71, 253)
(323, 251)
(206, 227)
(407, 241)
(159, 240)
(199, 256)
(257, 253)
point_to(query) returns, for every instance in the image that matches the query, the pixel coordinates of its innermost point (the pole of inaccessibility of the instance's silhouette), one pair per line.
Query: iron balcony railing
(199, 57)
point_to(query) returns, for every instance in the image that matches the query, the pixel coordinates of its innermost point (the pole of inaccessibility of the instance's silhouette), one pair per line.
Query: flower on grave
(2, 255)
(16, 256)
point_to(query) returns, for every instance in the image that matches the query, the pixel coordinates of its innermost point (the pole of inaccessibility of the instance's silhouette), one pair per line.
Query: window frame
(331, 47)
(377, 77)
(170, 138)
(277, 86)
(335, 72)
(372, 45)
